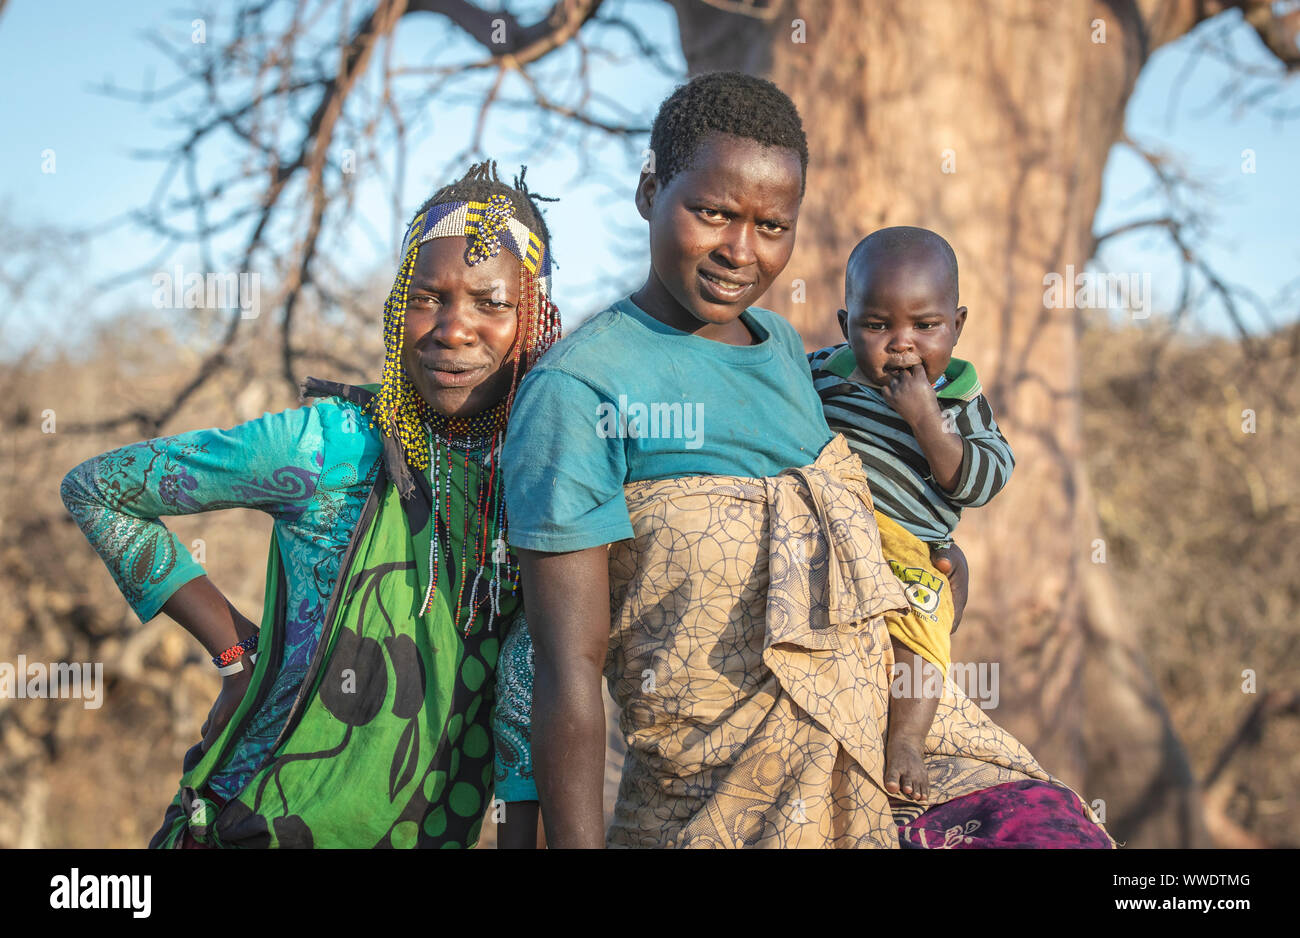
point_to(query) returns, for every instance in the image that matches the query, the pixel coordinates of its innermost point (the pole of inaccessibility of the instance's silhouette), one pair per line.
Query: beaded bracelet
(235, 651)
(237, 666)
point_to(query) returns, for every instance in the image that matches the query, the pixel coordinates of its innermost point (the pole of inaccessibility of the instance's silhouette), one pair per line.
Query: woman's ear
(647, 188)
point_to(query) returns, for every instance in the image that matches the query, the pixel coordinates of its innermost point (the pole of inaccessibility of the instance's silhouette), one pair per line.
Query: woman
(688, 524)
(359, 714)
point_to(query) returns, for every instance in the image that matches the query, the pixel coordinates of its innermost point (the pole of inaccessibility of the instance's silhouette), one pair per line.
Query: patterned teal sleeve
(512, 717)
(117, 498)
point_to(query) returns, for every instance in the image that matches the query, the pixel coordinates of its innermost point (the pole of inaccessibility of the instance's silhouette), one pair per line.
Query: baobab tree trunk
(991, 124)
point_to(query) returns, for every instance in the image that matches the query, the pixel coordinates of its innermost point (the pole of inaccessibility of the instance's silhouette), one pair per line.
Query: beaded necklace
(479, 439)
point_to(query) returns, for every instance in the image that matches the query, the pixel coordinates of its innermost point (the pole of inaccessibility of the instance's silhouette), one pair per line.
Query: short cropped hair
(889, 244)
(730, 103)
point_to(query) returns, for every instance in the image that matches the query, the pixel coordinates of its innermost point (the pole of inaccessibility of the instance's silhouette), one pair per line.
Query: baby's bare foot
(905, 769)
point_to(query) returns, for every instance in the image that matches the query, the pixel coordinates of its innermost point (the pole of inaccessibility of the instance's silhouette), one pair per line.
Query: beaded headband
(489, 226)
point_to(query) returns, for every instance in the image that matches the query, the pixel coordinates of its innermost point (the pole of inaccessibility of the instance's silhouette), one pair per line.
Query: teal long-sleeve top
(311, 469)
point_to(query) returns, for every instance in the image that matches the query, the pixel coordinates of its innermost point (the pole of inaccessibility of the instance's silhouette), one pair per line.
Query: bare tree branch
(501, 33)
(1178, 225)
(272, 69)
(1277, 28)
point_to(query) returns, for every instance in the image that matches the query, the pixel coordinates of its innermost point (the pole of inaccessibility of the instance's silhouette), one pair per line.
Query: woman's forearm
(569, 757)
(567, 599)
(201, 609)
(117, 503)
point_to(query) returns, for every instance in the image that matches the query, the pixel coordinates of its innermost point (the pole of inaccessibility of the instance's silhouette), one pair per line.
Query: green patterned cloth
(389, 743)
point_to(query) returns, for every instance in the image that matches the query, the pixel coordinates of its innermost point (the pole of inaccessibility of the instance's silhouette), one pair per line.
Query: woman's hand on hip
(233, 688)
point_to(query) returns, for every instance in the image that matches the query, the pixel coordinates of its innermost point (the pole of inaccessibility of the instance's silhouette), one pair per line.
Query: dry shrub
(1192, 450)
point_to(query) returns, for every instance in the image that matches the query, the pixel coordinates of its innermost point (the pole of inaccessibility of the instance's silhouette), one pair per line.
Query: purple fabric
(1018, 814)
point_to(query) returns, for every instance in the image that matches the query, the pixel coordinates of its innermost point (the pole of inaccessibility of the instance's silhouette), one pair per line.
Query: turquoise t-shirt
(626, 398)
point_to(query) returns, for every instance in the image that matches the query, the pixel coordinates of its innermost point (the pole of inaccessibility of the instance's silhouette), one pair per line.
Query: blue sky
(52, 54)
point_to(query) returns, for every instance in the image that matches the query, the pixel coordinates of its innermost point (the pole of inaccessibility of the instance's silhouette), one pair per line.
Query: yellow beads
(398, 408)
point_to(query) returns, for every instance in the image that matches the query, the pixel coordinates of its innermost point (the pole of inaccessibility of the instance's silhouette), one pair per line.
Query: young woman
(358, 715)
(688, 523)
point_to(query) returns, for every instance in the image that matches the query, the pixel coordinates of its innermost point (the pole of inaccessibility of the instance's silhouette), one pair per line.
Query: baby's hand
(910, 394)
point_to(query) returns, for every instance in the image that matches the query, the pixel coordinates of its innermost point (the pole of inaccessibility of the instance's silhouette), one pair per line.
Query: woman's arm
(567, 598)
(201, 609)
(518, 829)
(118, 498)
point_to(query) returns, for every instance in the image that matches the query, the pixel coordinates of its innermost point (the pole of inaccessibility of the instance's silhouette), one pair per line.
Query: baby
(930, 447)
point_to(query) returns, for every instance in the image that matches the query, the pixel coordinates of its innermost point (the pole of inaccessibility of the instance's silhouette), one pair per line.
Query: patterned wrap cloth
(756, 717)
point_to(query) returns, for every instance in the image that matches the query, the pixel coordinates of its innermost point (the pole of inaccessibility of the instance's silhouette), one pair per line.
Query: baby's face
(899, 315)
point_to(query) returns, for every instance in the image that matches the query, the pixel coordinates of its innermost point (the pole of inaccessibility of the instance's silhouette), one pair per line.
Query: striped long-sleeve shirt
(901, 482)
